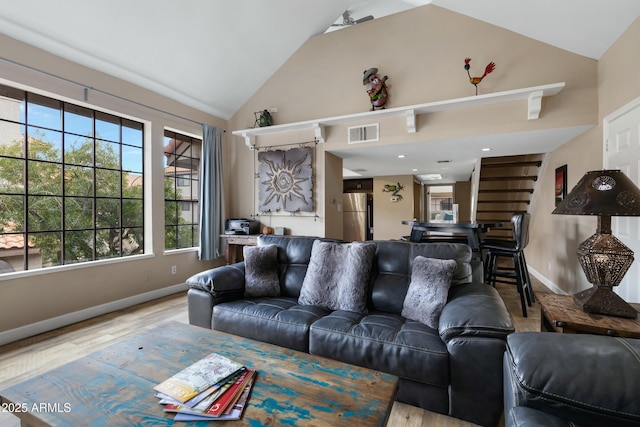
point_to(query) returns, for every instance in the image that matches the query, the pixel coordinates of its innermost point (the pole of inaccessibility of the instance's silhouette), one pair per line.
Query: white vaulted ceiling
(213, 55)
(203, 53)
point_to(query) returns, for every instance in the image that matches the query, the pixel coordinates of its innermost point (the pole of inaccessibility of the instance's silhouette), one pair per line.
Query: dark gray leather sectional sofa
(454, 370)
(567, 380)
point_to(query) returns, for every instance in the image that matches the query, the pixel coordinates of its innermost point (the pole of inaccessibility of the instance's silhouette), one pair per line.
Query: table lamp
(604, 259)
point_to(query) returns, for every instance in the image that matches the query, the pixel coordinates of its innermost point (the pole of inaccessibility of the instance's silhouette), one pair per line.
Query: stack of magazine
(213, 388)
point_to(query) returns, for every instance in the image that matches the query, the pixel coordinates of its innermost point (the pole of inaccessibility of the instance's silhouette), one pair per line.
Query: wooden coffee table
(113, 387)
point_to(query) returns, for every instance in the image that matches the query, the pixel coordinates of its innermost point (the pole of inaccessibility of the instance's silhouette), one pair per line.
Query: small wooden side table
(233, 244)
(559, 313)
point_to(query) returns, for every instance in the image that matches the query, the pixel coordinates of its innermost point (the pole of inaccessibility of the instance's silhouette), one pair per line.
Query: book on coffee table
(231, 395)
(198, 377)
(232, 413)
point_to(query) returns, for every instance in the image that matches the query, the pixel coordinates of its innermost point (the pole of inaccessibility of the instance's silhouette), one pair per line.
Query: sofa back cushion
(393, 266)
(294, 253)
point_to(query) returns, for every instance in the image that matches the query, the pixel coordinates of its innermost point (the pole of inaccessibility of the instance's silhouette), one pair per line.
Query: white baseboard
(80, 315)
(545, 281)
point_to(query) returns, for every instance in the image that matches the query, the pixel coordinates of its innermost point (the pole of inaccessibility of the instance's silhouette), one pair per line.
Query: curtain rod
(87, 88)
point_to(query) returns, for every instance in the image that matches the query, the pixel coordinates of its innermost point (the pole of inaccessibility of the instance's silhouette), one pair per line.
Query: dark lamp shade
(602, 192)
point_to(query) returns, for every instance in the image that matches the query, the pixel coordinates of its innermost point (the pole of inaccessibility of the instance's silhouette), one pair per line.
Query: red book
(231, 395)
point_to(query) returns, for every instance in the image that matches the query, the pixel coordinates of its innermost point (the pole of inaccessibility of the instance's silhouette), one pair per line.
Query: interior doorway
(439, 203)
(622, 151)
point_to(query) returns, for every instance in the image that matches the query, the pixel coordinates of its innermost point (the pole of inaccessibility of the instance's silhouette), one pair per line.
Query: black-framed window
(181, 186)
(71, 182)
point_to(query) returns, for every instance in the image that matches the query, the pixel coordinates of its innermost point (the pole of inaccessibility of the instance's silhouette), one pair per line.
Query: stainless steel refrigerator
(357, 216)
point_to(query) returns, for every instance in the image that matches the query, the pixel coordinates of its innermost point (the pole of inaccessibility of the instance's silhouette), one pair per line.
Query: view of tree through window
(181, 215)
(71, 183)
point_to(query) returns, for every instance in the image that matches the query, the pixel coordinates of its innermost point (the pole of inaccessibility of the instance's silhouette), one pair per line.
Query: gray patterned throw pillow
(338, 275)
(261, 271)
(428, 290)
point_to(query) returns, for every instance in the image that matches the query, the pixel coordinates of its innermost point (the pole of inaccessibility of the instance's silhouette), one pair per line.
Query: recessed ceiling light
(430, 176)
(414, 170)
(486, 149)
(401, 156)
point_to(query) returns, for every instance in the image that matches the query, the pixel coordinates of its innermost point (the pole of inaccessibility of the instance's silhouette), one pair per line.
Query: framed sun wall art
(285, 180)
(561, 184)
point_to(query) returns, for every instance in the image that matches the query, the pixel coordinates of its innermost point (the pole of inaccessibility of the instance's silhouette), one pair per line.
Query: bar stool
(513, 249)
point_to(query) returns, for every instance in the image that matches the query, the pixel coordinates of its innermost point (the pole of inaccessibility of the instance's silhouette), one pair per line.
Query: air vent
(366, 133)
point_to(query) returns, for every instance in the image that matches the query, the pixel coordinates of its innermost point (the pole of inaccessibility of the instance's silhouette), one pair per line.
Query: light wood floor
(29, 357)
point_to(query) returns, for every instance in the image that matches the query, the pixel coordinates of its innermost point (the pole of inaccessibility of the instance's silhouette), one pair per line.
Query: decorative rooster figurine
(476, 80)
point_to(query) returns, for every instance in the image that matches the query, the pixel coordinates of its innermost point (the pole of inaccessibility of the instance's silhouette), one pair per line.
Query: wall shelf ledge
(533, 96)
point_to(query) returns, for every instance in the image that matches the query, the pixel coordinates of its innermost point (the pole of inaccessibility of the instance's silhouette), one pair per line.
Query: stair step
(505, 201)
(508, 190)
(537, 163)
(510, 178)
(509, 212)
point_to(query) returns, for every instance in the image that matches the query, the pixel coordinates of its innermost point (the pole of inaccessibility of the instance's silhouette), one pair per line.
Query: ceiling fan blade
(365, 19)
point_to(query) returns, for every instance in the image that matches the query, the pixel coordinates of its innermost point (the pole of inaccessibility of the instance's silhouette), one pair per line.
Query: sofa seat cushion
(591, 380)
(521, 416)
(382, 341)
(280, 321)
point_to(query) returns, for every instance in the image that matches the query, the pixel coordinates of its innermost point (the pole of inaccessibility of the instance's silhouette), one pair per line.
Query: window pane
(11, 104)
(78, 246)
(108, 243)
(171, 209)
(50, 245)
(196, 213)
(44, 178)
(107, 183)
(78, 181)
(133, 241)
(132, 133)
(78, 150)
(193, 188)
(107, 155)
(78, 213)
(78, 120)
(11, 175)
(185, 236)
(170, 237)
(132, 213)
(132, 185)
(11, 138)
(44, 112)
(44, 144)
(11, 214)
(44, 213)
(107, 127)
(132, 159)
(107, 213)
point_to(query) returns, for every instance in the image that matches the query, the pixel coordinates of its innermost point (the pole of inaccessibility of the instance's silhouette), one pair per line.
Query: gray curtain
(211, 194)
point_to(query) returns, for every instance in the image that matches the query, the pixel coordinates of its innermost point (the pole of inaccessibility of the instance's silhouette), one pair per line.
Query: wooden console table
(559, 313)
(233, 244)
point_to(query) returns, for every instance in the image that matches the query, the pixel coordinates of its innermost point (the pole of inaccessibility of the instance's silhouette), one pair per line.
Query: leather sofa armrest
(474, 325)
(211, 287)
(477, 310)
(590, 380)
(219, 280)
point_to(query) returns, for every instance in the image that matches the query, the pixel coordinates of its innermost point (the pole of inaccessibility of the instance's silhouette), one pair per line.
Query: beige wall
(388, 215)
(554, 238)
(462, 196)
(422, 51)
(333, 196)
(31, 297)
